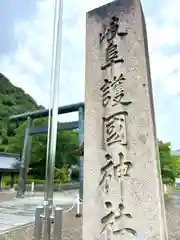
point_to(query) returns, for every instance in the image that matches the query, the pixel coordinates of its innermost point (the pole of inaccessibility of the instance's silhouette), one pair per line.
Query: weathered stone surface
(122, 183)
(24, 232)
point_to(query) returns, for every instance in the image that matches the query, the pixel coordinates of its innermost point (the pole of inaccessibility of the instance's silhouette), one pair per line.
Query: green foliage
(66, 142)
(13, 100)
(61, 174)
(6, 181)
(170, 165)
(175, 163)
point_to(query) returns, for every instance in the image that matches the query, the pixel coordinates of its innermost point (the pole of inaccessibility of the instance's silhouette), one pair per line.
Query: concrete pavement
(17, 212)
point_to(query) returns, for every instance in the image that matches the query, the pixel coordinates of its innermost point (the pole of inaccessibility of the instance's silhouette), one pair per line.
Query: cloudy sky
(25, 53)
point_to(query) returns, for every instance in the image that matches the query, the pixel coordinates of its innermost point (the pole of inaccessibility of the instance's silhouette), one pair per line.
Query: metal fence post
(47, 222)
(38, 223)
(81, 141)
(25, 160)
(57, 231)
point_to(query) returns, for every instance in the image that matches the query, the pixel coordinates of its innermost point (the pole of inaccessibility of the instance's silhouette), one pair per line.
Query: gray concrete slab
(17, 212)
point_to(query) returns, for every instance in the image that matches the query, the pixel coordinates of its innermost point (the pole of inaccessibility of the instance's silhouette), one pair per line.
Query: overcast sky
(25, 53)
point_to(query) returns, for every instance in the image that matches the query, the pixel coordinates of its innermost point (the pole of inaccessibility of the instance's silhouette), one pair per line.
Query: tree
(175, 163)
(170, 165)
(66, 143)
(14, 100)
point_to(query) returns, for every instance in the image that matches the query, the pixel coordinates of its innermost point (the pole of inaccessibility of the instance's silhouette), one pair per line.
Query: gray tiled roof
(9, 162)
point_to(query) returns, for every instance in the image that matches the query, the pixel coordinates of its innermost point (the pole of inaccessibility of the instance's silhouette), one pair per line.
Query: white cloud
(163, 34)
(166, 70)
(170, 12)
(29, 66)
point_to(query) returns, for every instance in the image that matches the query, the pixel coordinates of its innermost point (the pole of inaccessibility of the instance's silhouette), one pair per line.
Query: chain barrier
(79, 201)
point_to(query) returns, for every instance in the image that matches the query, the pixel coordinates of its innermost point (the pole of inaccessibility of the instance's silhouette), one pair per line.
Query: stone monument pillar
(123, 197)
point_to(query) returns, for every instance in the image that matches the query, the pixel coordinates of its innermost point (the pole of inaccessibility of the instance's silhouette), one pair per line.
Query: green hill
(13, 100)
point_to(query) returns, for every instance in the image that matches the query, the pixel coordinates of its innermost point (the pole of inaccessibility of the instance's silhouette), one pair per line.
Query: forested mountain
(14, 100)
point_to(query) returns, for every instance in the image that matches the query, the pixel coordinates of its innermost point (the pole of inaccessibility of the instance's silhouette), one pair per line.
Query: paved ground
(7, 195)
(15, 212)
(173, 216)
(72, 226)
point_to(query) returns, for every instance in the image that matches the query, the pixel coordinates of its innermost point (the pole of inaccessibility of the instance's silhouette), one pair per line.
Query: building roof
(9, 162)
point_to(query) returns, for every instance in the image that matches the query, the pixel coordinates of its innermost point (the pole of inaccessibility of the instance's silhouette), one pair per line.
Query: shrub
(7, 180)
(61, 175)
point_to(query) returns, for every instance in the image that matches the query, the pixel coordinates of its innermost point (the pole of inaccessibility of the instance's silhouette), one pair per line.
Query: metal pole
(24, 160)
(57, 231)
(81, 141)
(53, 118)
(38, 223)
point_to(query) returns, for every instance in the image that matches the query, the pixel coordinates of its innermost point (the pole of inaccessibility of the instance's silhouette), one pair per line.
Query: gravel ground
(72, 227)
(173, 216)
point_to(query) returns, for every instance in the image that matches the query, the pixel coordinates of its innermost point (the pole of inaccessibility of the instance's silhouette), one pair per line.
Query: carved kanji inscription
(122, 168)
(111, 169)
(115, 129)
(109, 33)
(113, 91)
(112, 221)
(112, 56)
(107, 173)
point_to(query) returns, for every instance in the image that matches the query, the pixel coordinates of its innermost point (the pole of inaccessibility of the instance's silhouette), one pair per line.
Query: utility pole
(52, 214)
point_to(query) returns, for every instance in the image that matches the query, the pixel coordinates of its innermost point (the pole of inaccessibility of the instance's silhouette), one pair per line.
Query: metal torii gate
(29, 131)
